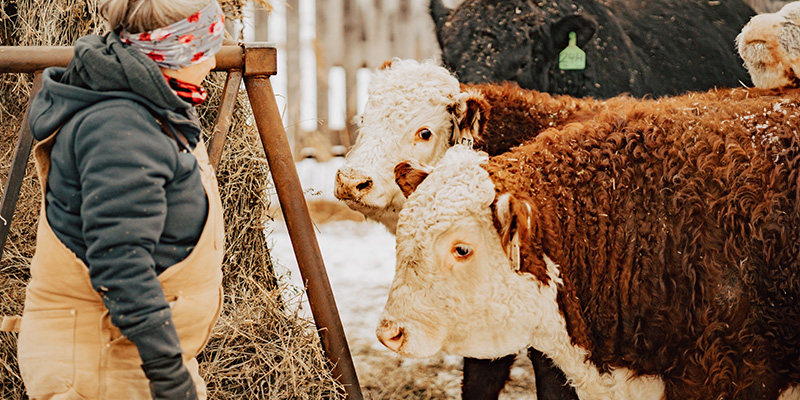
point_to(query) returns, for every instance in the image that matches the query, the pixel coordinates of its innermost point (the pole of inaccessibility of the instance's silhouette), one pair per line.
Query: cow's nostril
(391, 335)
(398, 336)
(364, 185)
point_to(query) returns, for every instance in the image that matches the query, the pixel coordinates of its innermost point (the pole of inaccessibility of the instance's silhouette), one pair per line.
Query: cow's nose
(351, 186)
(390, 335)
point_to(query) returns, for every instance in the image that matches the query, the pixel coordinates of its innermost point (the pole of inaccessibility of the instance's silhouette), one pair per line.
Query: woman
(126, 280)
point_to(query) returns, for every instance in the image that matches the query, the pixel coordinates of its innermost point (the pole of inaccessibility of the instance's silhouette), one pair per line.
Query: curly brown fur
(514, 115)
(676, 225)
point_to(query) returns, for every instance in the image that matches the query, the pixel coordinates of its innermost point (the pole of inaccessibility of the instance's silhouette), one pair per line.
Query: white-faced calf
(770, 46)
(416, 111)
(652, 251)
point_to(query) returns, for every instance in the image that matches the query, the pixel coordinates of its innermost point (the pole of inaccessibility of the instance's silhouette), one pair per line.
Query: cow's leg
(484, 379)
(551, 384)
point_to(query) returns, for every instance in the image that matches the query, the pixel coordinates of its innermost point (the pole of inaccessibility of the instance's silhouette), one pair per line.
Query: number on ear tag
(572, 57)
(514, 257)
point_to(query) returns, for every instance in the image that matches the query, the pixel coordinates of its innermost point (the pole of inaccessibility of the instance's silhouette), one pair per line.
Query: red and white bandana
(189, 92)
(186, 42)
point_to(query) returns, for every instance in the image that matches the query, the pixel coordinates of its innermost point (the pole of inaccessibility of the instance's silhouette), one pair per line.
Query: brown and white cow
(652, 252)
(417, 110)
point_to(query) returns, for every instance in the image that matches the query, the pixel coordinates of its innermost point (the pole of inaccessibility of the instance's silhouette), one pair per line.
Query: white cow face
(412, 113)
(456, 288)
(769, 45)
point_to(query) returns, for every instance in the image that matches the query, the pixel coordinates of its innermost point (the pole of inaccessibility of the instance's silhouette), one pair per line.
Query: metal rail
(16, 174)
(37, 58)
(256, 62)
(223, 122)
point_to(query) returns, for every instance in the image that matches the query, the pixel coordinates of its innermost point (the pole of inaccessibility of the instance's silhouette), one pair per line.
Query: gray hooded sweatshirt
(120, 193)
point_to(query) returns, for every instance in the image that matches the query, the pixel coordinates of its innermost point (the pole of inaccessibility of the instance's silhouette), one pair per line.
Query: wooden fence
(347, 36)
(343, 37)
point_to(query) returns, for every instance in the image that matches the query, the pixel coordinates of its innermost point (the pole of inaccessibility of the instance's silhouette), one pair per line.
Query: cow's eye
(462, 251)
(424, 134)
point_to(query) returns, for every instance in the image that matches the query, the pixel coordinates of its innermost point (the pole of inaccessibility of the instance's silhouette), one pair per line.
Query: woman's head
(138, 16)
(176, 34)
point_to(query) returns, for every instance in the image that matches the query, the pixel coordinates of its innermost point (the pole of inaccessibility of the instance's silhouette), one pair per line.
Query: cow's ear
(518, 223)
(513, 218)
(470, 114)
(409, 174)
(386, 65)
(584, 27)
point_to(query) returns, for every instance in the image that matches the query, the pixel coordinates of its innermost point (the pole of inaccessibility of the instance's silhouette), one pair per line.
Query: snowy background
(359, 257)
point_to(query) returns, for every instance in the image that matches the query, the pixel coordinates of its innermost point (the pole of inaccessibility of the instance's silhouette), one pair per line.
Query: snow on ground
(359, 257)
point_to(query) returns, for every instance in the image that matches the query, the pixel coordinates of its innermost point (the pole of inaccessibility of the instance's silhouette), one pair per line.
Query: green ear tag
(572, 57)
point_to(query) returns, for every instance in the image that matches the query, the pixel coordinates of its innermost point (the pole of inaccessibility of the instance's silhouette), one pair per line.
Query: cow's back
(690, 43)
(677, 236)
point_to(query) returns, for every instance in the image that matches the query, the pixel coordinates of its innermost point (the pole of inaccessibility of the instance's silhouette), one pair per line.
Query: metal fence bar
(37, 58)
(16, 174)
(298, 222)
(222, 125)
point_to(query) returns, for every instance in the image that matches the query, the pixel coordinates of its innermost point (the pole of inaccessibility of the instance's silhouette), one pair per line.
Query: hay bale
(258, 349)
(243, 177)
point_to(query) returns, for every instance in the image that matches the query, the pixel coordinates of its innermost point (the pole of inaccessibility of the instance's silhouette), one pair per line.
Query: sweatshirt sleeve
(124, 162)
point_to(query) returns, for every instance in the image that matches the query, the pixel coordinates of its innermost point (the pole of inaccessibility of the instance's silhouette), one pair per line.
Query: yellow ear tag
(516, 260)
(572, 57)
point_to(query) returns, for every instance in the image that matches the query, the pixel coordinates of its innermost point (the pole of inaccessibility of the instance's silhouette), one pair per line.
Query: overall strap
(10, 323)
(179, 139)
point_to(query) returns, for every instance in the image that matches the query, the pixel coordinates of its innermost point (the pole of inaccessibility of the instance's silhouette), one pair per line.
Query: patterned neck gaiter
(189, 92)
(189, 41)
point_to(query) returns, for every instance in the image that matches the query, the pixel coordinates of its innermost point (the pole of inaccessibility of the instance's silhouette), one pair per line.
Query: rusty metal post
(259, 65)
(17, 172)
(224, 117)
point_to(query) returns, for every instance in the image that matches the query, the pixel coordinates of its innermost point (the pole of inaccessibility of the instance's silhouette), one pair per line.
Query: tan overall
(68, 348)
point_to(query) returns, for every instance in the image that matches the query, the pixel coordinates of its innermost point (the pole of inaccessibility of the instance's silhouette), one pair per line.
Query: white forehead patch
(398, 93)
(458, 186)
(412, 78)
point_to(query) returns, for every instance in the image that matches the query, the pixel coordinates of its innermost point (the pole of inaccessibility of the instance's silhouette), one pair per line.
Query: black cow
(640, 47)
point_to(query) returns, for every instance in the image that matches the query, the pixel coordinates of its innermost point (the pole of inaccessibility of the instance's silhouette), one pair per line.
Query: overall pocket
(194, 317)
(46, 351)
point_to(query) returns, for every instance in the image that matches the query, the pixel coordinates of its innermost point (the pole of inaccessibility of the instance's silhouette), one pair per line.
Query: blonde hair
(136, 16)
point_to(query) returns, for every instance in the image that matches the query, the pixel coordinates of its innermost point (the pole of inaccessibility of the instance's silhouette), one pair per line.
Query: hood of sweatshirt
(104, 68)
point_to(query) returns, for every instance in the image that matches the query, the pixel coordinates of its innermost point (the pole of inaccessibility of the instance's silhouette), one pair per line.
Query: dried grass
(399, 379)
(258, 349)
(243, 176)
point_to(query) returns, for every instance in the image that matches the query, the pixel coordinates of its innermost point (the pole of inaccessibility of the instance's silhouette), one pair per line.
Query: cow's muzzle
(391, 335)
(351, 186)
